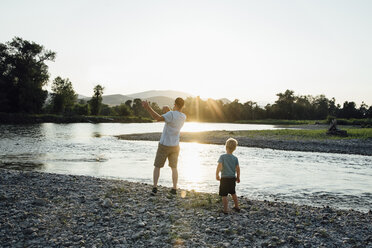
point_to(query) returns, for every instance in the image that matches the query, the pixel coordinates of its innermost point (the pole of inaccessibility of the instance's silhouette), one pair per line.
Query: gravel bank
(346, 146)
(41, 210)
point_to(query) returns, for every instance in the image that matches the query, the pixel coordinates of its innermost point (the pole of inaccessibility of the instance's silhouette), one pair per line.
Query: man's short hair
(231, 144)
(179, 102)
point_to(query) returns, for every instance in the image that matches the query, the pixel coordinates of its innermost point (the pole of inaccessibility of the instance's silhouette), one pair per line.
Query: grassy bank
(351, 122)
(45, 118)
(282, 122)
(300, 134)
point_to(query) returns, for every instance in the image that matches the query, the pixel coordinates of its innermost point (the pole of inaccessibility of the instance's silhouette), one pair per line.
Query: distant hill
(116, 99)
(166, 93)
(162, 100)
(161, 97)
(112, 100)
(81, 97)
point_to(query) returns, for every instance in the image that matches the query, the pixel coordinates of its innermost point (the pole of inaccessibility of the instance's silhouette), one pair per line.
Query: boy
(228, 164)
(168, 147)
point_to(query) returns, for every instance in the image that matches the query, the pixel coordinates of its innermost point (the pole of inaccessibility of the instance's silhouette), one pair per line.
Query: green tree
(129, 103)
(248, 112)
(81, 109)
(23, 73)
(124, 110)
(96, 101)
(369, 112)
(349, 110)
(234, 111)
(63, 96)
(106, 110)
(138, 110)
(333, 109)
(285, 104)
(321, 106)
(363, 110)
(302, 108)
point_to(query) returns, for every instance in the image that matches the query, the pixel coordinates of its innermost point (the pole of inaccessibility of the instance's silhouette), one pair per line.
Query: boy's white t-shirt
(174, 121)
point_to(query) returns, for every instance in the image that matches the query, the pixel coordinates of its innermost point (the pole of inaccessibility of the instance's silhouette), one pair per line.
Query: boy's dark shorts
(164, 152)
(227, 186)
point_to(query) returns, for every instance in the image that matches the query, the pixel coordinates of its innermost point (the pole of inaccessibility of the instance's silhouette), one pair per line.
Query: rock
(138, 235)
(3, 197)
(40, 202)
(30, 230)
(292, 240)
(77, 238)
(275, 239)
(141, 224)
(186, 235)
(298, 226)
(107, 203)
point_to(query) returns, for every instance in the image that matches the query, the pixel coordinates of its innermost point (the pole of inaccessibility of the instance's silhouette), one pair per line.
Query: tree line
(64, 101)
(24, 73)
(288, 106)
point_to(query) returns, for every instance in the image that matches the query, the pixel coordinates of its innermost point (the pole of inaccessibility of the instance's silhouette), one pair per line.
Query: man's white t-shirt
(174, 121)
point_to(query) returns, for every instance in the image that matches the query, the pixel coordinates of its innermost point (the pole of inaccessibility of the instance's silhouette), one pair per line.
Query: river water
(338, 180)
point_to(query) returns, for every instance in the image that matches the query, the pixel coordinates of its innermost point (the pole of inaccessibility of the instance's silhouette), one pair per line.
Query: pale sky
(249, 50)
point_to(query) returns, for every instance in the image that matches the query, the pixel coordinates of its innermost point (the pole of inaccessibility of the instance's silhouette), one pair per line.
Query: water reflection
(191, 169)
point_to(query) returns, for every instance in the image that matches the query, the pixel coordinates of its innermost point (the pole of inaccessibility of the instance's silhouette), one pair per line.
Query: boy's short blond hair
(231, 144)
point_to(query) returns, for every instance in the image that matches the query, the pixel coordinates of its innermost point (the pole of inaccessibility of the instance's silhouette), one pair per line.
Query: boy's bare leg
(156, 175)
(224, 203)
(174, 177)
(235, 199)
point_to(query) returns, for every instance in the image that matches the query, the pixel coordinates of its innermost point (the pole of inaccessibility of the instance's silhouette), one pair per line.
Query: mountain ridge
(161, 97)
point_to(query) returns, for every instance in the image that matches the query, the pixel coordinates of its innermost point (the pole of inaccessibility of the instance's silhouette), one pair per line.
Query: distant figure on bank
(169, 142)
(228, 165)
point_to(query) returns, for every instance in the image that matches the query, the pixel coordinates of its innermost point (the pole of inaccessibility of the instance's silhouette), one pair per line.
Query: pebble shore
(49, 210)
(345, 146)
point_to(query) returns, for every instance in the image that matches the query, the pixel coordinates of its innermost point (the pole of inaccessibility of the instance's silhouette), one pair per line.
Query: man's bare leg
(156, 175)
(175, 177)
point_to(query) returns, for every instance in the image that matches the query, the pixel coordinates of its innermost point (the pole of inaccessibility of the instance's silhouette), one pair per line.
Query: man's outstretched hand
(145, 104)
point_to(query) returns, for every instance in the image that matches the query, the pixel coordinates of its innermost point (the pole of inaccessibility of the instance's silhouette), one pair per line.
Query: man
(169, 142)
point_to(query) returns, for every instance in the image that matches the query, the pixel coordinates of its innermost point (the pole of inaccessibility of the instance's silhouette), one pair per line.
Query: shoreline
(288, 143)
(42, 209)
(19, 119)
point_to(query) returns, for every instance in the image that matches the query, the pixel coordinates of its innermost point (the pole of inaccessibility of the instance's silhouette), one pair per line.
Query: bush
(81, 109)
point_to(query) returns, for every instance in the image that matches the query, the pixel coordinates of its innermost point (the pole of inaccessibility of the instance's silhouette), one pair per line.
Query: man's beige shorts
(164, 152)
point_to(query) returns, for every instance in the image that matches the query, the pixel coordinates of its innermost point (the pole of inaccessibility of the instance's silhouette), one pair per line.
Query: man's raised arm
(152, 112)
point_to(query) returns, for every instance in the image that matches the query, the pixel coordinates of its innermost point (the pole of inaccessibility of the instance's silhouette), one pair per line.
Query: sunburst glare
(191, 165)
